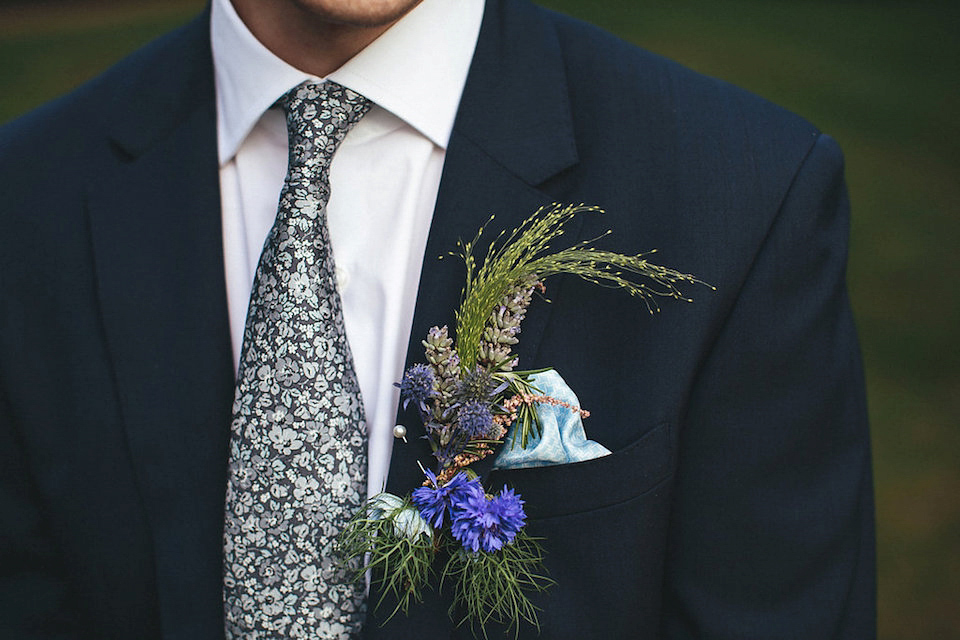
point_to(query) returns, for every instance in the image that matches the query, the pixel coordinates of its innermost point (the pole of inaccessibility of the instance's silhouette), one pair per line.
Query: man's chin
(357, 13)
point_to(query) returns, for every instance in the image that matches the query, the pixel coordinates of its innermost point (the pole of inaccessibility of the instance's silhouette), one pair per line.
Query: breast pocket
(558, 490)
(602, 525)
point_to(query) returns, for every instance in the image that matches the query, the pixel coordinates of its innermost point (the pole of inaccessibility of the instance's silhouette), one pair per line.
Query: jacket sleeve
(771, 533)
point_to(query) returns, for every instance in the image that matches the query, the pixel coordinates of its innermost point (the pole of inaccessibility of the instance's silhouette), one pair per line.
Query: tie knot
(319, 115)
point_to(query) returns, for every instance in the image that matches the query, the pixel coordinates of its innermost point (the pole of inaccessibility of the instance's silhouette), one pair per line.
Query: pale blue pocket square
(562, 439)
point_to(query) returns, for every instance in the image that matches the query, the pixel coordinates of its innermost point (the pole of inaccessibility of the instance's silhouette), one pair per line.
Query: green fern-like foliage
(524, 254)
(495, 587)
(400, 562)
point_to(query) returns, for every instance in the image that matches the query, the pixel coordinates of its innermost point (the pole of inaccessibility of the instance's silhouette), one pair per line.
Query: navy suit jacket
(737, 502)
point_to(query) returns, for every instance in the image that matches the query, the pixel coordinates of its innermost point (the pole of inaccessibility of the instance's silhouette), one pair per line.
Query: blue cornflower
(475, 419)
(434, 501)
(488, 524)
(417, 386)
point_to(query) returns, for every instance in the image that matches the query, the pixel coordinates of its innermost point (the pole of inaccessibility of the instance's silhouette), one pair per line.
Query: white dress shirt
(384, 179)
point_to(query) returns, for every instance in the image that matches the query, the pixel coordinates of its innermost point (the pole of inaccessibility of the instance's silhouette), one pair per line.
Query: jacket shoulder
(70, 123)
(648, 128)
(610, 78)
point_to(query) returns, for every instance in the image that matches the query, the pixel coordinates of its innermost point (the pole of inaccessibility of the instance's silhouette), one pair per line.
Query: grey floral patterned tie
(298, 460)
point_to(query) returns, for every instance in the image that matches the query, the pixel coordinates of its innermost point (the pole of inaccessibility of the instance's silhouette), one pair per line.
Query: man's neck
(312, 39)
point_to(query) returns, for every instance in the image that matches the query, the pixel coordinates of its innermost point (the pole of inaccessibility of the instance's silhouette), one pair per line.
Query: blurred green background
(882, 78)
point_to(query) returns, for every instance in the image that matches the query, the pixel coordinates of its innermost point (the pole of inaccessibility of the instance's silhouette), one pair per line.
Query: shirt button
(343, 278)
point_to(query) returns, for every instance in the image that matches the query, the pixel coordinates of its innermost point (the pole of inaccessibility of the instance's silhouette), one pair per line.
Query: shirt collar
(416, 70)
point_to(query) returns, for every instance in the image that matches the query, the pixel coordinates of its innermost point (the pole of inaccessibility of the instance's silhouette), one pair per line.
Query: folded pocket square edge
(562, 439)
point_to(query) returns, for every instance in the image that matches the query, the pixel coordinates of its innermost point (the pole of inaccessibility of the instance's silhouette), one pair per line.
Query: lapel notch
(515, 105)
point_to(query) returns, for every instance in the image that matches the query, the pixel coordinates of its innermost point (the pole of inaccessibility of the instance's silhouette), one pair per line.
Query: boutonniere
(473, 403)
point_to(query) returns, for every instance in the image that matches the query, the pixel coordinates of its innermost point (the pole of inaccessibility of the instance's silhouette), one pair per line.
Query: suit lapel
(513, 132)
(155, 224)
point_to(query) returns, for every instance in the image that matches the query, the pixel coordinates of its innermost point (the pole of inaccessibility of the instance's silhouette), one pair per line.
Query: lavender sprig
(503, 326)
(445, 362)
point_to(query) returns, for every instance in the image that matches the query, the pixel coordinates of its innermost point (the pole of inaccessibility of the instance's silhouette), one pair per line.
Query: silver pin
(400, 431)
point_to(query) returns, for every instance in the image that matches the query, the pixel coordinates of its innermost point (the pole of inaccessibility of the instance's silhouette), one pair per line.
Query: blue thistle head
(417, 386)
(475, 419)
(477, 384)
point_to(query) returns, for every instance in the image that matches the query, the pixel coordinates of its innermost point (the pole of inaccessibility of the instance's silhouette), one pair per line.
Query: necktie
(298, 459)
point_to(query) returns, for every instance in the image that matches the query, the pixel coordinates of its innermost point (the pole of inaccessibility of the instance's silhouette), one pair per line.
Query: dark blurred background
(882, 78)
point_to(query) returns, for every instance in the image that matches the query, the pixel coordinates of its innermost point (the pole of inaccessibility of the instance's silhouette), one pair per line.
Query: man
(737, 502)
